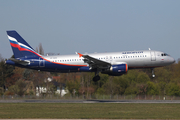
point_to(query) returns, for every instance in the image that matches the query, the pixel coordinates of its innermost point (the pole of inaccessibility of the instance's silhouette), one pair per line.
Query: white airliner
(113, 63)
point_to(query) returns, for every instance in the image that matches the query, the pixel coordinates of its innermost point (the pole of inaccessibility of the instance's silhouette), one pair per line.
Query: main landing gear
(97, 77)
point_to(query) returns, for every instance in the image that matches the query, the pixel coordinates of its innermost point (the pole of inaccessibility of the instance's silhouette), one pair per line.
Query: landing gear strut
(153, 75)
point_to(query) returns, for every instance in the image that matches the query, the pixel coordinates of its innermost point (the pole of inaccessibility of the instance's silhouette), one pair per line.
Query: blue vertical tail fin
(19, 46)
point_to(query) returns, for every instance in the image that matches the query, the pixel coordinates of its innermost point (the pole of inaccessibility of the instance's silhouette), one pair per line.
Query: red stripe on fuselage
(67, 64)
(24, 49)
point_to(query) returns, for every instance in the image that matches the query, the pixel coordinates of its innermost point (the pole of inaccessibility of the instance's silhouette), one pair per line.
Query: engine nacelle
(117, 70)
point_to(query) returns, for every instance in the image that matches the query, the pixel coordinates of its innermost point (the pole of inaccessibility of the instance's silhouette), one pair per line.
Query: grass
(90, 111)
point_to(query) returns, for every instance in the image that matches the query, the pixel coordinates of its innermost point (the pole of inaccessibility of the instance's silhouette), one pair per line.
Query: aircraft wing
(94, 62)
(22, 62)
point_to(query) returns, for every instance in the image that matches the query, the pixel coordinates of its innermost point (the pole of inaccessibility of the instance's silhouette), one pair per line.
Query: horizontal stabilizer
(22, 62)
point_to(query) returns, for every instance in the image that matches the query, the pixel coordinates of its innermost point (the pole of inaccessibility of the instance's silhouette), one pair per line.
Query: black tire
(96, 78)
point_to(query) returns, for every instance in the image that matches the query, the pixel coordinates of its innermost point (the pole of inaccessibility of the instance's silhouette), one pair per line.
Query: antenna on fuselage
(149, 48)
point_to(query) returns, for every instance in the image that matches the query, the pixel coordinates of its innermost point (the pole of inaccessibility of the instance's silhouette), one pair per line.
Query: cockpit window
(164, 54)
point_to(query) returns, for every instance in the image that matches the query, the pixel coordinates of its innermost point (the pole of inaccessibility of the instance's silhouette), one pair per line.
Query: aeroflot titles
(132, 52)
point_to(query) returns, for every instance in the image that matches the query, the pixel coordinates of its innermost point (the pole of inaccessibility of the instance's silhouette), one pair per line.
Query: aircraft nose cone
(172, 60)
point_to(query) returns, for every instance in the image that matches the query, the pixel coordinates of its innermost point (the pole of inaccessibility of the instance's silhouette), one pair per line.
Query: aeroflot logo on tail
(132, 52)
(17, 44)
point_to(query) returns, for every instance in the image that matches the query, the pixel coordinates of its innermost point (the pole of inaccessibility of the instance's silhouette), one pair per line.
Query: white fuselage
(134, 59)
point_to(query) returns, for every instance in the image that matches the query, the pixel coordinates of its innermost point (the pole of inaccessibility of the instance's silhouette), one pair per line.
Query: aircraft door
(153, 56)
(41, 62)
(110, 58)
(107, 58)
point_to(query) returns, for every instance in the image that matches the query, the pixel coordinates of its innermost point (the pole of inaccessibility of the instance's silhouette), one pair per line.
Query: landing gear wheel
(153, 75)
(96, 78)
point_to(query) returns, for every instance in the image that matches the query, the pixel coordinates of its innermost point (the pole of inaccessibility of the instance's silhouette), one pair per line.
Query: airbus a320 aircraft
(114, 63)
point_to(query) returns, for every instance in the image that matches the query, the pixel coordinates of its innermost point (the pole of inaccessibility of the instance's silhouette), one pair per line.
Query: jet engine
(117, 70)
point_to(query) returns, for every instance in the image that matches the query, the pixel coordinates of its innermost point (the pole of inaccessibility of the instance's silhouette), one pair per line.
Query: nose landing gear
(153, 75)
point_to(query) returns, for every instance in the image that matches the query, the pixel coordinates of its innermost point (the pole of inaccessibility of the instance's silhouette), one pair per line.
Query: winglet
(80, 55)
